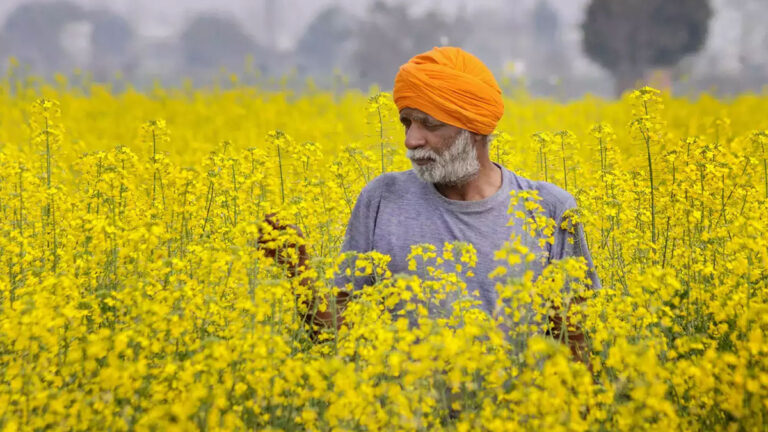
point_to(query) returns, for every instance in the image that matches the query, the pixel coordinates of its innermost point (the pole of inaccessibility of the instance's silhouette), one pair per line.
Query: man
(449, 104)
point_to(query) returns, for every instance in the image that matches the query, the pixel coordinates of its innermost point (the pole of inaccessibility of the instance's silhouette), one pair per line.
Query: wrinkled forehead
(419, 116)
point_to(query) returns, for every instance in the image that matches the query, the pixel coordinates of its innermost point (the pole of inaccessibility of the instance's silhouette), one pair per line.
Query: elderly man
(449, 105)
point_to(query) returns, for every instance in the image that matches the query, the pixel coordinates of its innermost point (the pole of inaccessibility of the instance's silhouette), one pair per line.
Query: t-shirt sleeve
(359, 233)
(362, 221)
(570, 241)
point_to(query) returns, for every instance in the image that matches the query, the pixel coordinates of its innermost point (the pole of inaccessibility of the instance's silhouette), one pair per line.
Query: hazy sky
(281, 24)
(164, 18)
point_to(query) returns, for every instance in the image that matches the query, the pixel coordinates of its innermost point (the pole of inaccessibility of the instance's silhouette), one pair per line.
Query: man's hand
(294, 267)
(575, 338)
(276, 253)
(326, 318)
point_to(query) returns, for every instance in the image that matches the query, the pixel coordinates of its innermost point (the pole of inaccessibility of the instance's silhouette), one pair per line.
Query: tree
(546, 23)
(629, 37)
(111, 34)
(548, 57)
(390, 36)
(326, 40)
(111, 40)
(213, 41)
(33, 32)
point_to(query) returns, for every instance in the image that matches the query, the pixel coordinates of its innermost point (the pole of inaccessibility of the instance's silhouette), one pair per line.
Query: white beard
(454, 166)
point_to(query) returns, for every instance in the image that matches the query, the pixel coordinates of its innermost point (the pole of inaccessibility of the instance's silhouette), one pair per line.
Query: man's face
(440, 153)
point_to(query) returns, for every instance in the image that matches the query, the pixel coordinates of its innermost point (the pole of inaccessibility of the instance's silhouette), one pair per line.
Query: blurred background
(553, 48)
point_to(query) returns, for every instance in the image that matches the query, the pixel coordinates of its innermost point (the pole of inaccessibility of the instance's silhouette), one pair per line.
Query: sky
(736, 31)
(164, 18)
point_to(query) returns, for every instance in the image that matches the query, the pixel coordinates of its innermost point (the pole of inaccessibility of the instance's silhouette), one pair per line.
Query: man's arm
(295, 268)
(358, 238)
(575, 337)
(570, 241)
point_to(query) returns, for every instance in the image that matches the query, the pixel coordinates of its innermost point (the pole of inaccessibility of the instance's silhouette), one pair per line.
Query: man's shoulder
(554, 199)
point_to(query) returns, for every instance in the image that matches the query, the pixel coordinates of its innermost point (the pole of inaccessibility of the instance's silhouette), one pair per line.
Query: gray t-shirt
(398, 210)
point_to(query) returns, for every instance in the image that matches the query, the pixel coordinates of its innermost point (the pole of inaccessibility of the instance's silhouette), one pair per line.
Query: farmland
(134, 294)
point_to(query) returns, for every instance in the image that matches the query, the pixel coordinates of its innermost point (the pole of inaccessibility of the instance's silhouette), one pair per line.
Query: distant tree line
(626, 37)
(33, 34)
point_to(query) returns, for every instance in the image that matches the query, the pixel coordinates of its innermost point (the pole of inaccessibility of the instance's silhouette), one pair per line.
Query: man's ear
(479, 140)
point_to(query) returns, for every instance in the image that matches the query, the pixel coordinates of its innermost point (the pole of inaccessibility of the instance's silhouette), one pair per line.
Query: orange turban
(452, 86)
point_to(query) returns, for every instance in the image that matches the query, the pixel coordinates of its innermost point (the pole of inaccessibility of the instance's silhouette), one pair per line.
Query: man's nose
(414, 137)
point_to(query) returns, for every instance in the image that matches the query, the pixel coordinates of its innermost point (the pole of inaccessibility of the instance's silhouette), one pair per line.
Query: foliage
(211, 41)
(390, 35)
(33, 32)
(628, 37)
(326, 41)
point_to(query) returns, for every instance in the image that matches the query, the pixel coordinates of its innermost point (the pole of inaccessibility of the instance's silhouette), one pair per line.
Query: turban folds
(452, 86)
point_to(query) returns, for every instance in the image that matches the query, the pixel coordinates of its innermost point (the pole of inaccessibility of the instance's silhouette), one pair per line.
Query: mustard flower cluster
(136, 292)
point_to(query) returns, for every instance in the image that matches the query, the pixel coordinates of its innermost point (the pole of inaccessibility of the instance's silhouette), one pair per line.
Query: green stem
(253, 168)
(121, 206)
(602, 161)
(99, 165)
(565, 172)
(765, 176)
(666, 233)
(184, 228)
(49, 205)
(154, 160)
(602, 175)
(21, 204)
(541, 160)
(48, 154)
(113, 211)
(55, 238)
(208, 206)
(234, 187)
(21, 237)
(647, 137)
(280, 165)
(381, 137)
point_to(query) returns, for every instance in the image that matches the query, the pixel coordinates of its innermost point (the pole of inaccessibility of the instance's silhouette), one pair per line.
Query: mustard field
(134, 294)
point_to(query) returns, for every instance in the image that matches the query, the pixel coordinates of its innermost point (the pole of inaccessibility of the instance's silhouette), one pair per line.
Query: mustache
(421, 153)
